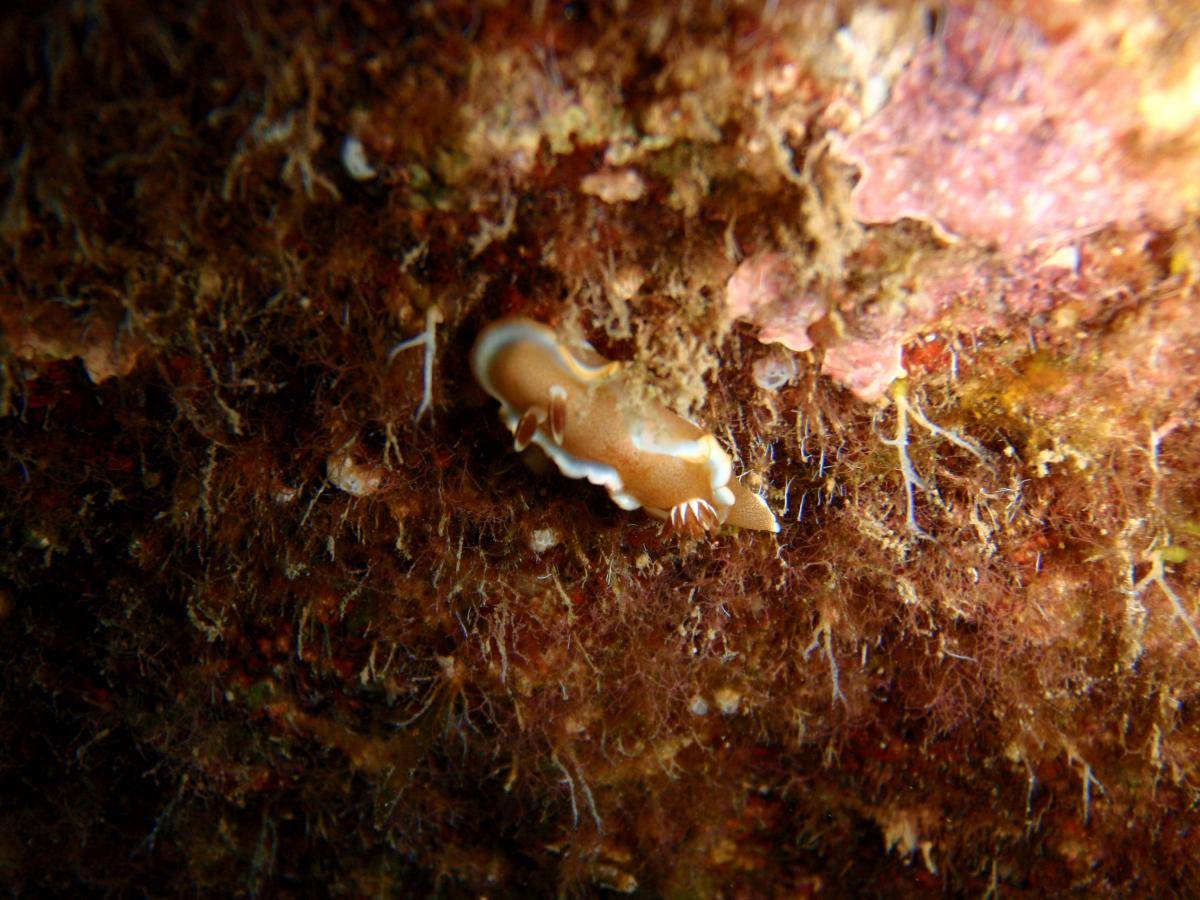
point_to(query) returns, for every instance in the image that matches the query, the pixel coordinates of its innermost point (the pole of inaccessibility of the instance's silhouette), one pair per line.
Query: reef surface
(283, 613)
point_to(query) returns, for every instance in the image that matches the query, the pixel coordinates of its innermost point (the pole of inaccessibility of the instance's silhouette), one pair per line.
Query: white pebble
(354, 158)
(773, 371)
(542, 539)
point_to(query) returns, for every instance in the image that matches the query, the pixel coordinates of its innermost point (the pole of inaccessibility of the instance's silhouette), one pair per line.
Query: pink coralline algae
(866, 367)
(950, 291)
(996, 134)
(763, 290)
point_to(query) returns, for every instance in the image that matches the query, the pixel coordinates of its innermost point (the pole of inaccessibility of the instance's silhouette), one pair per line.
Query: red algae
(998, 134)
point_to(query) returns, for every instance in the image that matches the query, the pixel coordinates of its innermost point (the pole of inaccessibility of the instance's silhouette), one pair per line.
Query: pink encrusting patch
(866, 367)
(951, 291)
(995, 133)
(763, 290)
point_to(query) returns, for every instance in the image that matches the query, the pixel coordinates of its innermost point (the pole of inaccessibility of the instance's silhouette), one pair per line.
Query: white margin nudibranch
(573, 403)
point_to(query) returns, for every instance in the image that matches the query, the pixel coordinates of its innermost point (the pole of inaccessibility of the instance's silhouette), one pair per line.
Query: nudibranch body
(574, 405)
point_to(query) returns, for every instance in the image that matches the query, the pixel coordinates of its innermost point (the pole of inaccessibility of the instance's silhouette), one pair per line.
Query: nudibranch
(575, 405)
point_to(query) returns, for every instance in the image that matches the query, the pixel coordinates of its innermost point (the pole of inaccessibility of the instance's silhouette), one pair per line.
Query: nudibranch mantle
(574, 404)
